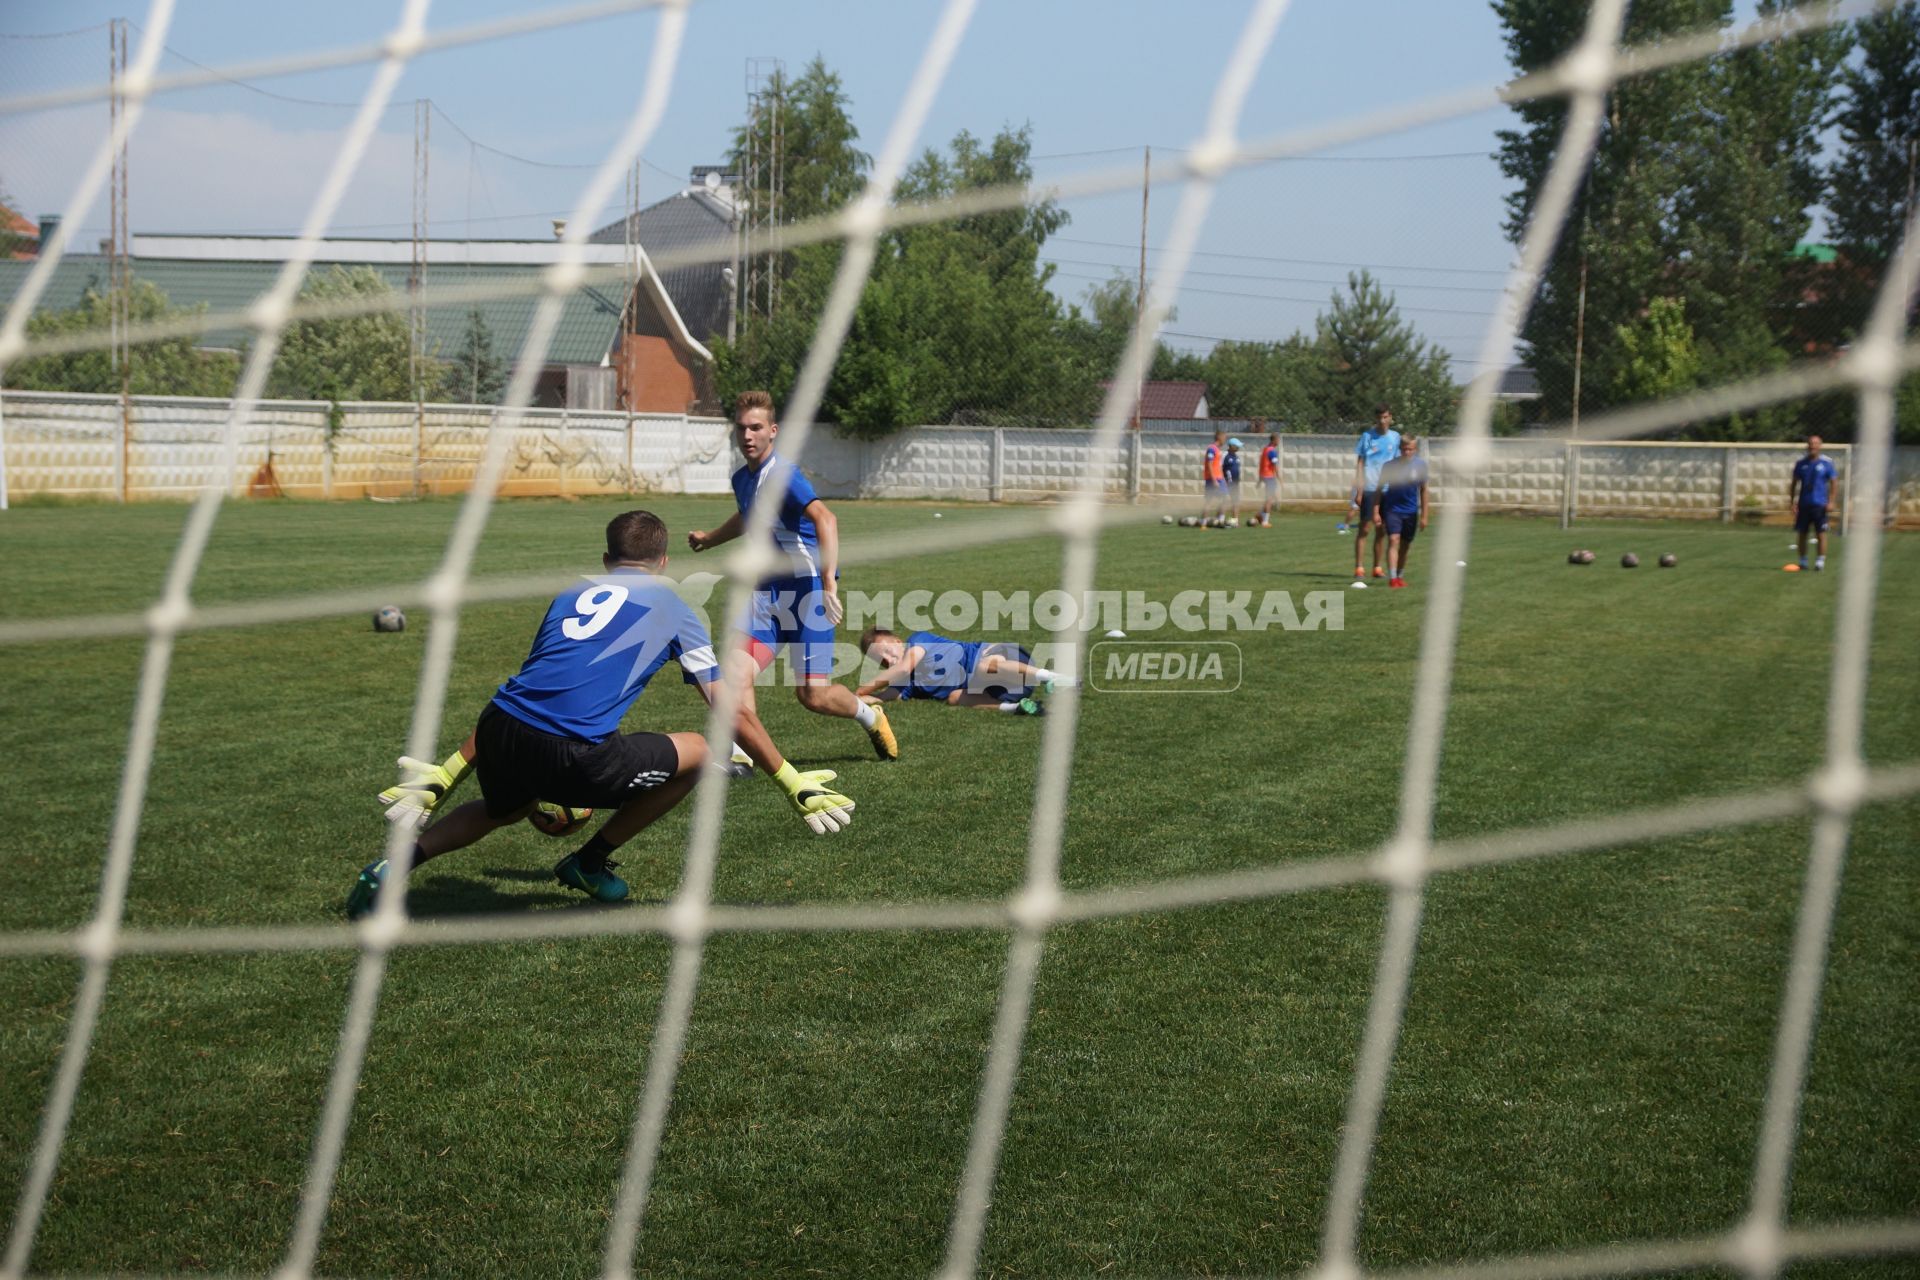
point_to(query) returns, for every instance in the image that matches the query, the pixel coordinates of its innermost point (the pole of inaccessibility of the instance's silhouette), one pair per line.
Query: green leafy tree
(168, 367)
(1369, 354)
(11, 241)
(1872, 177)
(956, 321)
(820, 167)
(1658, 355)
(1620, 238)
(340, 358)
(474, 374)
(1279, 381)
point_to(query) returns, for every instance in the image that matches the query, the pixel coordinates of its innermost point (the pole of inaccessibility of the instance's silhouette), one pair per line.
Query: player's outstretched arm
(823, 809)
(424, 785)
(727, 531)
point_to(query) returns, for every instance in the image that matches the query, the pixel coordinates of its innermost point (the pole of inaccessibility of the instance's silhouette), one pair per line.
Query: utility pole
(1140, 293)
(119, 270)
(417, 281)
(1579, 336)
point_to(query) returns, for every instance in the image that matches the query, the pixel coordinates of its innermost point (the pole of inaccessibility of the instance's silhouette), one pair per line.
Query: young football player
(552, 732)
(799, 607)
(992, 675)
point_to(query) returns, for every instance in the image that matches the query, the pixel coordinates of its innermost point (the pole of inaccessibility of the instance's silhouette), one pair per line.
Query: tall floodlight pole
(1140, 291)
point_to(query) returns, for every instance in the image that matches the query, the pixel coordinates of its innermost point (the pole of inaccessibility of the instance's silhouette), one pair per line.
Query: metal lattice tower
(764, 180)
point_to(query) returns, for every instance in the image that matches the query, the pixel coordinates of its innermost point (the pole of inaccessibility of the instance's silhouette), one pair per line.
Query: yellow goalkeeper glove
(823, 809)
(422, 787)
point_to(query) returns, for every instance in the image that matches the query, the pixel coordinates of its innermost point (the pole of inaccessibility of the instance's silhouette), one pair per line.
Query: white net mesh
(1760, 1244)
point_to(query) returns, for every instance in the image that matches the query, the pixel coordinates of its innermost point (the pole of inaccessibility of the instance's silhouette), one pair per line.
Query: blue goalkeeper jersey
(597, 648)
(943, 669)
(793, 530)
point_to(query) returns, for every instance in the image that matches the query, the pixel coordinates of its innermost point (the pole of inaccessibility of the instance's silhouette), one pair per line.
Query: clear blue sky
(1423, 208)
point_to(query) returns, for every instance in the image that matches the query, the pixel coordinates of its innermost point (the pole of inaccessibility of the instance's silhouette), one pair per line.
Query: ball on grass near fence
(1669, 560)
(389, 618)
(1166, 519)
(1629, 561)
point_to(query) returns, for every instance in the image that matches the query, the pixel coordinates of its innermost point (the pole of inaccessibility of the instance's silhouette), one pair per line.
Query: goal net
(1760, 1243)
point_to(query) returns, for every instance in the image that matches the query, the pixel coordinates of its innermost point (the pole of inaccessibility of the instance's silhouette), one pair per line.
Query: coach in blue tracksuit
(1809, 494)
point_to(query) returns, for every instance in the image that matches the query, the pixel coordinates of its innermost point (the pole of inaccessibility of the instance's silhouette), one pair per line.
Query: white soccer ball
(1166, 519)
(389, 618)
(1233, 522)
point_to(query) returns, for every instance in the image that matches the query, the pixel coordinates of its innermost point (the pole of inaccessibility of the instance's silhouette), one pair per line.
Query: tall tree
(474, 374)
(168, 367)
(1620, 236)
(338, 358)
(805, 119)
(1873, 175)
(1369, 354)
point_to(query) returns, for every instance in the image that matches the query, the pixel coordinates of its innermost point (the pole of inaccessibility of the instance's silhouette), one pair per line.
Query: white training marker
(1461, 563)
(936, 515)
(1359, 586)
(1116, 634)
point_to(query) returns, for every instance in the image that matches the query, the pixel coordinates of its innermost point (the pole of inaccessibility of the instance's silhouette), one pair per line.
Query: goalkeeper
(552, 731)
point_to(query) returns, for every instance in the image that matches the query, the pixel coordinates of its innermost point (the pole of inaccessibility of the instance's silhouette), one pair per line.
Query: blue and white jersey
(943, 669)
(597, 648)
(1376, 450)
(1816, 480)
(1230, 466)
(793, 530)
(1402, 479)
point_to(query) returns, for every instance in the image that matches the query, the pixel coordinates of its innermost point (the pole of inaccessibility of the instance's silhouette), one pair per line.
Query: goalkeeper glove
(821, 808)
(422, 787)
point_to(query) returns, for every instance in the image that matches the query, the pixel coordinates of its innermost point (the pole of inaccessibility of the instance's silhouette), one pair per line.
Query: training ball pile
(389, 618)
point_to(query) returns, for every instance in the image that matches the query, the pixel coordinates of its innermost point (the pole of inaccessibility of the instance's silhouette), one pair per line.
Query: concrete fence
(167, 447)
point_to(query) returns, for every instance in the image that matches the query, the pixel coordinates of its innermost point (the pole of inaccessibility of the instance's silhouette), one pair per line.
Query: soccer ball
(1233, 522)
(1166, 519)
(1669, 560)
(1587, 557)
(389, 618)
(1629, 561)
(1573, 557)
(558, 819)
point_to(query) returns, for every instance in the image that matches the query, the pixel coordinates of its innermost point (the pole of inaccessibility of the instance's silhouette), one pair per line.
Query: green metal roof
(588, 323)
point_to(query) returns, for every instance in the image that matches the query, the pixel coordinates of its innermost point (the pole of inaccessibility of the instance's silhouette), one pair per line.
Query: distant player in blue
(996, 675)
(1403, 504)
(552, 732)
(1230, 474)
(1810, 493)
(1379, 445)
(799, 607)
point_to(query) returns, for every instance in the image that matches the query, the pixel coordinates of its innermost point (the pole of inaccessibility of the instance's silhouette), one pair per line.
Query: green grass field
(1585, 1049)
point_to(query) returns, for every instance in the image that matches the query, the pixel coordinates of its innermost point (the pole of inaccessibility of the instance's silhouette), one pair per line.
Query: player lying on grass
(799, 608)
(552, 732)
(992, 675)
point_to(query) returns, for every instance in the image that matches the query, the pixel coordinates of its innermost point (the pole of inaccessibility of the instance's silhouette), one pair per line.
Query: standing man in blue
(1404, 505)
(1230, 474)
(797, 609)
(1809, 493)
(552, 732)
(1379, 445)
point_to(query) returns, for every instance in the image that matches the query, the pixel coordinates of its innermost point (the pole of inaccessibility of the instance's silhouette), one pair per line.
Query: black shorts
(1006, 687)
(1369, 506)
(1808, 516)
(519, 764)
